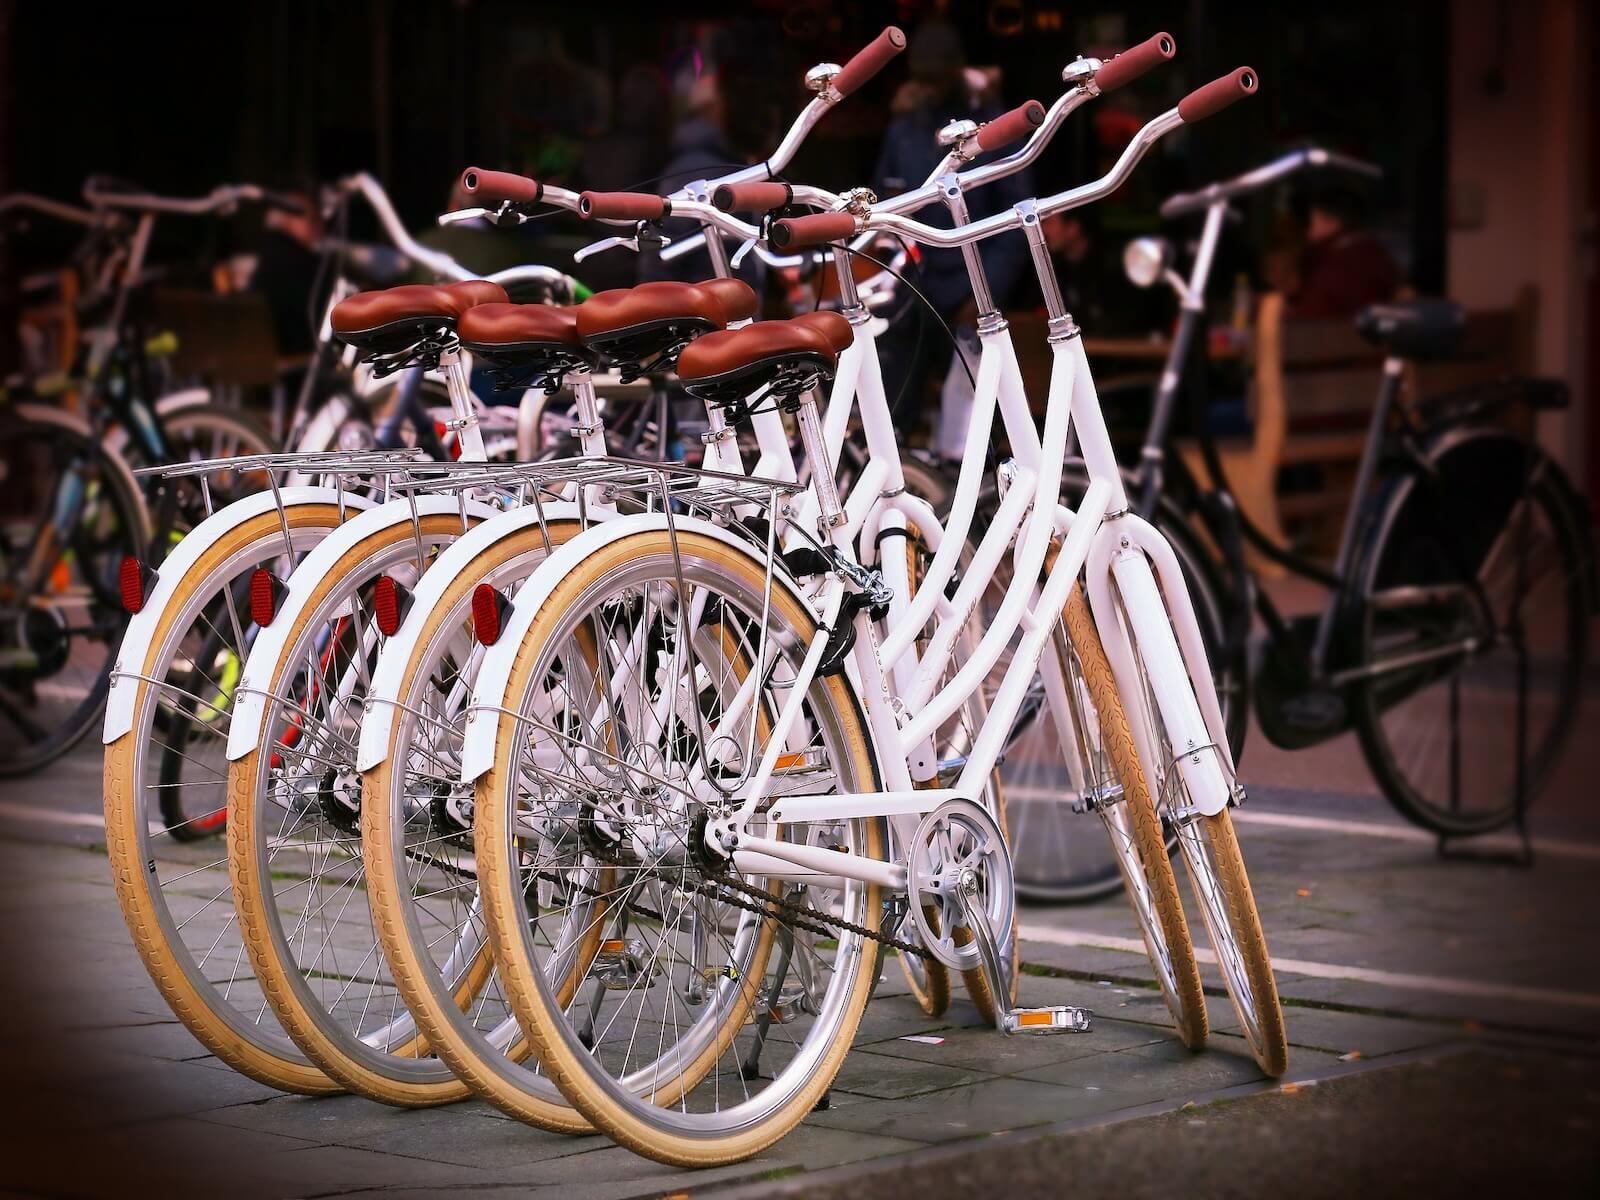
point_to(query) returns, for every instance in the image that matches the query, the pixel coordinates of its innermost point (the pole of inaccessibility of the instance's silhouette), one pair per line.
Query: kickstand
(1522, 855)
(751, 1067)
(586, 1030)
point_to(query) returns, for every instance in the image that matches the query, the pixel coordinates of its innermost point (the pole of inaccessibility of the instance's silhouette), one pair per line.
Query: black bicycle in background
(1454, 633)
(71, 508)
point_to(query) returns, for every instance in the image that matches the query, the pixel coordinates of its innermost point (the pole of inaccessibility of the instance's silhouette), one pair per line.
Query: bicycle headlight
(1145, 260)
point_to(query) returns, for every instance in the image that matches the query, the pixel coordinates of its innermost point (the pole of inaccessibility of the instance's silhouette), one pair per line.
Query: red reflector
(489, 609)
(390, 603)
(135, 580)
(266, 590)
(453, 447)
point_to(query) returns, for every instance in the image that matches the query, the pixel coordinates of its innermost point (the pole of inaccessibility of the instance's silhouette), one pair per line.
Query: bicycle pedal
(622, 966)
(1057, 1018)
(781, 1009)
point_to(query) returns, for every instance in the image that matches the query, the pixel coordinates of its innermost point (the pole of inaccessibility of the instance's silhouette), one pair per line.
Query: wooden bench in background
(1311, 388)
(1317, 380)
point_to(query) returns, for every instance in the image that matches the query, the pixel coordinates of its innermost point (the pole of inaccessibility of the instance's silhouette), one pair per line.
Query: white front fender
(250, 704)
(377, 722)
(134, 652)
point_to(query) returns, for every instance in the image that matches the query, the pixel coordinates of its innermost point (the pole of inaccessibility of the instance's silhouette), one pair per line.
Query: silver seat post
(463, 409)
(590, 429)
(831, 513)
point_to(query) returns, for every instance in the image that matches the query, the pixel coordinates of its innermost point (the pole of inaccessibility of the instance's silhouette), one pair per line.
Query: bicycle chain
(799, 916)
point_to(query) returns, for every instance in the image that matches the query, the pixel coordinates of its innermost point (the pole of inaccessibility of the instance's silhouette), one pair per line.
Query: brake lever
(462, 215)
(604, 244)
(745, 247)
(612, 243)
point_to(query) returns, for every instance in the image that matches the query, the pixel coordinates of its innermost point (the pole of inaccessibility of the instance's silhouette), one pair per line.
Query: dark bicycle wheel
(205, 678)
(67, 520)
(1472, 619)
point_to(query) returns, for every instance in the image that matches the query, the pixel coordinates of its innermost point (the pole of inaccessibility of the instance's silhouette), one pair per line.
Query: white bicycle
(760, 776)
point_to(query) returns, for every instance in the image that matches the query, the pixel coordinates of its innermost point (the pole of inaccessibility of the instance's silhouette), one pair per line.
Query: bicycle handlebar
(794, 233)
(869, 60)
(1211, 98)
(499, 186)
(1019, 123)
(623, 206)
(220, 199)
(436, 261)
(1260, 177)
(752, 197)
(50, 208)
(1124, 68)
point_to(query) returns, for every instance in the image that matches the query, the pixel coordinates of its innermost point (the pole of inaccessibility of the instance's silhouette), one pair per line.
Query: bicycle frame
(1132, 572)
(1182, 357)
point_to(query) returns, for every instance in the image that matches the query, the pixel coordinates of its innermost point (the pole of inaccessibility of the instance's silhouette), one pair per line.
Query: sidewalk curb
(864, 1172)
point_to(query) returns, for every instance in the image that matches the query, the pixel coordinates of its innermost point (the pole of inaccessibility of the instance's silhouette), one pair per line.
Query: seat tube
(1152, 457)
(831, 513)
(1366, 472)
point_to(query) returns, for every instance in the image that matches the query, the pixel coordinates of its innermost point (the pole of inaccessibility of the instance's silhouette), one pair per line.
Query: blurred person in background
(726, 124)
(633, 147)
(941, 89)
(1342, 267)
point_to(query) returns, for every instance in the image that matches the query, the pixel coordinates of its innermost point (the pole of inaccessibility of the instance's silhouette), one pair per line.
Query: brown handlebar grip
(494, 186)
(1134, 62)
(623, 206)
(1217, 95)
(751, 197)
(869, 60)
(791, 233)
(1012, 126)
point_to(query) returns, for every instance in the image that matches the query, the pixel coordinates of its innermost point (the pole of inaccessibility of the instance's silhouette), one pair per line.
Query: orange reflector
(1035, 1018)
(612, 946)
(788, 762)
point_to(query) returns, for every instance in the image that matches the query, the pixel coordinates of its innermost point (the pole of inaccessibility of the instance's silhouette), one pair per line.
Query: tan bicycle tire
(1244, 920)
(272, 971)
(498, 883)
(130, 871)
(1117, 738)
(386, 892)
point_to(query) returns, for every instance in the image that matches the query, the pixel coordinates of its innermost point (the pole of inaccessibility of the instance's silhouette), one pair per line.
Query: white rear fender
(377, 722)
(133, 655)
(489, 693)
(250, 704)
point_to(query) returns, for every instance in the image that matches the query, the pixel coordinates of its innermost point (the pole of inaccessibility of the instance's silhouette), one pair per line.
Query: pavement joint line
(865, 1171)
(1441, 984)
(1548, 847)
(1255, 814)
